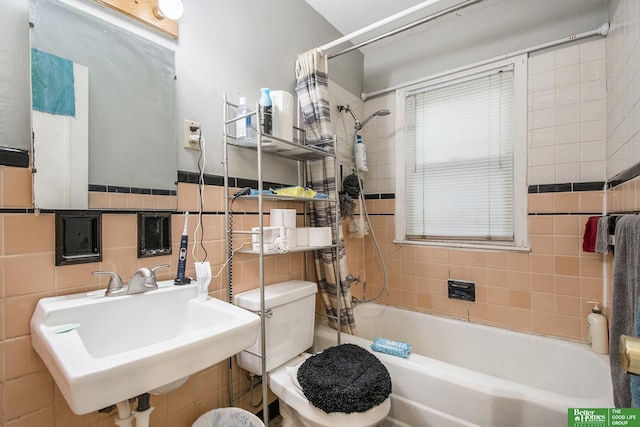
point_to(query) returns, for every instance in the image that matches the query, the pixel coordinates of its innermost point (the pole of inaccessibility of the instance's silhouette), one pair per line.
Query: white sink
(104, 350)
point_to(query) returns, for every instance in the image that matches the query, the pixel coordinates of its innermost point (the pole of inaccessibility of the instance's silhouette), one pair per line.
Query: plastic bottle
(361, 155)
(598, 332)
(244, 132)
(266, 119)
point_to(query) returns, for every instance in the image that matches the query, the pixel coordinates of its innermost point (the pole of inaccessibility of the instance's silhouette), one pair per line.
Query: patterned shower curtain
(313, 93)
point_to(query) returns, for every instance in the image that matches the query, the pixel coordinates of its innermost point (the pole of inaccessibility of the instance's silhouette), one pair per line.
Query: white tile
(544, 118)
(566, 56)
(592, 151)
(539, 63)
(542, 175)
(544, 137)
(567, 134)
(568, 173)
(567, 114)
(568, 153)
(592, 50)
(592, 90)
(543, 156)
(593, 110)
(592, 70)
(592, 171)
(593, 131)
(567, 75)
(569, 94)
(543, 99)
(543, 81)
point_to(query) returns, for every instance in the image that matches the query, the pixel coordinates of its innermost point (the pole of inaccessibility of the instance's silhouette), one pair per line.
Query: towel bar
(630, 354)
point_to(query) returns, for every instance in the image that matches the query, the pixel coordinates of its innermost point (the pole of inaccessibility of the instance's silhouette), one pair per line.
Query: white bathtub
(466, 374)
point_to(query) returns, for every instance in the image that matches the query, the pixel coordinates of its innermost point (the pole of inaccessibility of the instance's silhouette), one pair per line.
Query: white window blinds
(459, 163)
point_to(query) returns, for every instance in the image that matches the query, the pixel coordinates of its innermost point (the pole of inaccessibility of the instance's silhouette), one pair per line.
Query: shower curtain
(313, 94)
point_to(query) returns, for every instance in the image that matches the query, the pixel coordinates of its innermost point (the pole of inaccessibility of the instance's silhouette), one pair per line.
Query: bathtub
(466, 374)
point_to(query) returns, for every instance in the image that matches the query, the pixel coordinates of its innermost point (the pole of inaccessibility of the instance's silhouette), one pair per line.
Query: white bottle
(244, 133)
(361, 155)
(598, 332)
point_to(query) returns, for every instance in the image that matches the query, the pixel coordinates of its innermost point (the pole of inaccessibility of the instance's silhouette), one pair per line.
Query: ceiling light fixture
(171, 9)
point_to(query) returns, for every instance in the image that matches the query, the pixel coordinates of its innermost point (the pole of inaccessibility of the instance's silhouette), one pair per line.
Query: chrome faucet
(143, 280)
(115, 286)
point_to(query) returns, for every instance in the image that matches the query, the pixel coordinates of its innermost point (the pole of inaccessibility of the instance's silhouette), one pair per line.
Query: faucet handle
(153, 270)
(115, 285)
(150, 279)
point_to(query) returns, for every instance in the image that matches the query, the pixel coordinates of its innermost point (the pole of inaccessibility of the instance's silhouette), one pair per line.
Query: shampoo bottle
(266, 123)
(244, 133)
(361, 155)
(598, 332)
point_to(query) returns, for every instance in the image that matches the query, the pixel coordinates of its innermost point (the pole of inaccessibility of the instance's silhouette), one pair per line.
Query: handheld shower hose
(358, 126)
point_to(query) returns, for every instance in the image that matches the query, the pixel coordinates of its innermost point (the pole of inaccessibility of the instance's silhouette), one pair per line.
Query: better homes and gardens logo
(604, 417)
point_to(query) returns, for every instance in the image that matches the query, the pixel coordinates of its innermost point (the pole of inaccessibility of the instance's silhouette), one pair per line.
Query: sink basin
(104, 350)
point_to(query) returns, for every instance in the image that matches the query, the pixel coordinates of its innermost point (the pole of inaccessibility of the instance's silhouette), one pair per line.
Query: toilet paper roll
(282, 218)
(319, 236)
(282, 114)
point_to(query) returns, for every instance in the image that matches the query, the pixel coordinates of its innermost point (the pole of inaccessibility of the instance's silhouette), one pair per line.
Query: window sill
(460, 245)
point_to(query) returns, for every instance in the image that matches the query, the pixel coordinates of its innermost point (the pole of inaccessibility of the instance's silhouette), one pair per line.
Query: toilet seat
(282, 385)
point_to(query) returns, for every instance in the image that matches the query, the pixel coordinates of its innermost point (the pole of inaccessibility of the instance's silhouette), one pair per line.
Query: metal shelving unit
(294, 150)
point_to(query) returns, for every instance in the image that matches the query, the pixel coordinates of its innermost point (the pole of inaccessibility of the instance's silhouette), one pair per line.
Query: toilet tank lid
(276, 294)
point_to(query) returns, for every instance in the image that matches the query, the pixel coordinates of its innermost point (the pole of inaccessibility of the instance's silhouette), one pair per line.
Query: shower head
(377, 113)
(359, 125)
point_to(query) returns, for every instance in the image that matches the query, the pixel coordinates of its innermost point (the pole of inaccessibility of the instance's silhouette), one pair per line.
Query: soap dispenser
(598, 331)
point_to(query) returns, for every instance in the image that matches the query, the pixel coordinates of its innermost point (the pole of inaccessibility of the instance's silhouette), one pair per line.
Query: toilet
(290, 308)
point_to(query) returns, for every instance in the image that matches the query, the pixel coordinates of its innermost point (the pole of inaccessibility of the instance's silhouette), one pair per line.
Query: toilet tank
(290, 308)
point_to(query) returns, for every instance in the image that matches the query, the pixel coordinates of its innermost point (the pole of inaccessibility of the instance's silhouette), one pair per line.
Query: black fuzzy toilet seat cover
(345, 378)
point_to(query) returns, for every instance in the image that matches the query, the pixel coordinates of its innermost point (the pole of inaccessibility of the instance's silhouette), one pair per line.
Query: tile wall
(567, 114)
(543, 291)
(28, 395)
(623, 88)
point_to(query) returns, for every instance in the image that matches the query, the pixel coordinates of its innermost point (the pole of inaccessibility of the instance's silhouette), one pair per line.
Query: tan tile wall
(28, 395)
(544, 291)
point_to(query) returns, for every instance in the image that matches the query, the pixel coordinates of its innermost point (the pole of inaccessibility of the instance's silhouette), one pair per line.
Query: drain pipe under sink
(125, 417)
(141, 414)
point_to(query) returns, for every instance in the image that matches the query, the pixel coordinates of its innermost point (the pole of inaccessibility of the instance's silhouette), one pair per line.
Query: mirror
(131, 110)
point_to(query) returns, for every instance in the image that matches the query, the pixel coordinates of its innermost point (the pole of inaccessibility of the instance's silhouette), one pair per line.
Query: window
(461, 178)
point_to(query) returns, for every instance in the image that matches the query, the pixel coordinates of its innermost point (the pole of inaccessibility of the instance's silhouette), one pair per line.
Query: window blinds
(459, 159)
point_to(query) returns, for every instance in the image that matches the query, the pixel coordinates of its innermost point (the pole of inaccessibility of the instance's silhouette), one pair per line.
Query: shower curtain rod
(378, 24)
(601, 30)
(405, 27)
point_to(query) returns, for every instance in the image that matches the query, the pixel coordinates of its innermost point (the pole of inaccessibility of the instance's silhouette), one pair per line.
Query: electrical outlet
(191, 135)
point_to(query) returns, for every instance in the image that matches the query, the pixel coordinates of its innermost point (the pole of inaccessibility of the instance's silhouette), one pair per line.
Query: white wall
(225, 46)
(478, 32)
(15, 98)
(623, 87)
(567, 120)
(235, 48)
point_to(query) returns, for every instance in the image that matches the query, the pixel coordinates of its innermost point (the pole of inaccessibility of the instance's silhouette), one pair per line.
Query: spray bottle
(361, 155)
(182, 258)
(598, 332)
(266, 111)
